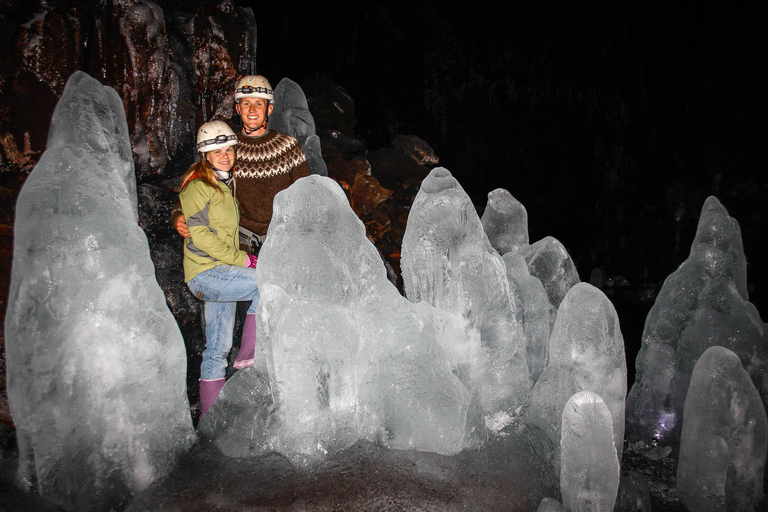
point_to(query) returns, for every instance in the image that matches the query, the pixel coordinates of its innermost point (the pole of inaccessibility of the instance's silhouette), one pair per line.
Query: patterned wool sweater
(265, 165)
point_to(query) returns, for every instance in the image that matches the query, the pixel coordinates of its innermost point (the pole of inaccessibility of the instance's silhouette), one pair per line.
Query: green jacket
(213, 220)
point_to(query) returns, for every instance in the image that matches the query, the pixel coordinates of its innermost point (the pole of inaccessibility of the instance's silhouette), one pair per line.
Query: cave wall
(174, 69)
(174, 65)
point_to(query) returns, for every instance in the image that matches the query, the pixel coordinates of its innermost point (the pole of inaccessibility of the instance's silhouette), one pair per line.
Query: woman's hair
(203, 170)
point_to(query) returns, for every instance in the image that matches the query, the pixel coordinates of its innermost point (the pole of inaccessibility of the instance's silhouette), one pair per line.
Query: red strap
(192, 176)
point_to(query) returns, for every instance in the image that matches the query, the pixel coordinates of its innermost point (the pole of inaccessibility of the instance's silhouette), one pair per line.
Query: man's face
(253, 112)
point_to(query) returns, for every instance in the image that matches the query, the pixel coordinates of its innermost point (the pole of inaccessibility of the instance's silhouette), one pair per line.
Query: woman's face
(222, 159)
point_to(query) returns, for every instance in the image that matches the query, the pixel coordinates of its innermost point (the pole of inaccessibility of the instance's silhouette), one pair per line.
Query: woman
(215, 269)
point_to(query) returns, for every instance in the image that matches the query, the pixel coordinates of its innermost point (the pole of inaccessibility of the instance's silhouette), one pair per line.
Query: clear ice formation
(291, 116)
(448, 262)
(96, 363)
(723, 444)
(344, 356)
(532, 312)
(589, 468)
(701, 304)
(550, 263)
(550, 505)
(239, 421)
(586, 353)
(505, 221)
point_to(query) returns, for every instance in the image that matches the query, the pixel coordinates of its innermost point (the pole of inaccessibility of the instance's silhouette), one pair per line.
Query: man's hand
(181, 226)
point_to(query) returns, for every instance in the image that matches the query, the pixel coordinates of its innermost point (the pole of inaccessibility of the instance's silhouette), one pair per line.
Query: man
(266, 163)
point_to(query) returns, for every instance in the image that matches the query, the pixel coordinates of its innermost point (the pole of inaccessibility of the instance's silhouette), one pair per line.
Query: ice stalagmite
(448, 262)
(532, 312)
(589, 469)
(96, 362)
(549, 261)
(291, 116)
(505, 221)
(702, 304)
(586, 353)
(723, 444)
(550, 505)
(347, 357)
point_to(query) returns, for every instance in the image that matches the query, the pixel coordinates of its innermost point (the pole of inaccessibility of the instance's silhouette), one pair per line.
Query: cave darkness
(611, 123)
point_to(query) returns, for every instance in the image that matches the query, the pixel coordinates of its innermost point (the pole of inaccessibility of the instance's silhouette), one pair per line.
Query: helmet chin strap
(249, 131)
(222, 175)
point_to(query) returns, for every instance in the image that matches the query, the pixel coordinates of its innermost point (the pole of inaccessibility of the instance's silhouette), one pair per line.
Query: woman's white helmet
(253, 86)
(215, 135)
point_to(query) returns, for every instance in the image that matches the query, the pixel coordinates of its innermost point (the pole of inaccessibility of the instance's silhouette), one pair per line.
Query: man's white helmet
(253, 86)
(215, 135)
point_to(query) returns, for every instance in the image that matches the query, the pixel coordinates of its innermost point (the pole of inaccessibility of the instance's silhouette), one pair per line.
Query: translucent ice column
(448, 262)
(586, 353)
(291, 116)
(550, 505)
(549, 261)
(96, 363)
(723, 445)
(702, 303)
(347, 356)
(505, 221)
(532, 312)
(589, 469)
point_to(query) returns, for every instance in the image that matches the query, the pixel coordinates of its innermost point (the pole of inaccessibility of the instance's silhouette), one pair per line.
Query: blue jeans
(221, 288)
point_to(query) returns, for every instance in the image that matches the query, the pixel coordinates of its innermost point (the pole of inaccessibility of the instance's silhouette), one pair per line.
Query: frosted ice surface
(723, 444)
(291, 112)
(347, 357)
(238, 421)
(550, 505)
(589, 468)
(702, 304)
(291, 116)
(96, 363)
(549, 262)
(533, 311)
(505, 221)
(586, 353)
(448, 262)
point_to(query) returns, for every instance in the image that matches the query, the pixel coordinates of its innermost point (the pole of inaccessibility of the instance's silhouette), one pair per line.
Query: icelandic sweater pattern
(265, 166)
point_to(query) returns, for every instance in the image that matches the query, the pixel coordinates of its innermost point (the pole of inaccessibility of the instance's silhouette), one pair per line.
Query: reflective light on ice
(665, 424)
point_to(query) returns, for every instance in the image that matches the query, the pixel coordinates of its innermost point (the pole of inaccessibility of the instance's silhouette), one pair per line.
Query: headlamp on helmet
(215, 135)
(253, 86)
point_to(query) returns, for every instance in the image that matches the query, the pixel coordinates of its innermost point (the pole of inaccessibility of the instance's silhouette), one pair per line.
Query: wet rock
(166, 251)
(393, 167)
(30, 72)
(332, 107)
(416, 148)
(172, 70)
(224, 43)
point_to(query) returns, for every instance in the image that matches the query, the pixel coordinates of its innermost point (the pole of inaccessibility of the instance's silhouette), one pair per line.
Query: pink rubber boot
(209, 390)
(244, 357)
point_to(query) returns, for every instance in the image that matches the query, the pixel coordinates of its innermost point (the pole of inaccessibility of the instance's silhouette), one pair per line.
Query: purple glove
(251, 261)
